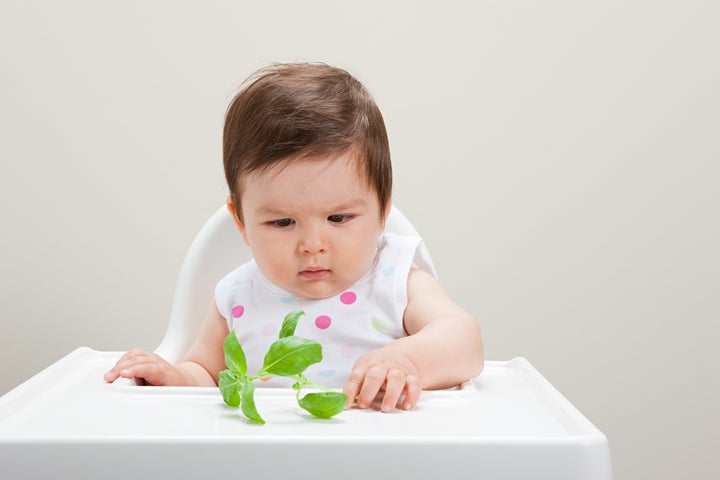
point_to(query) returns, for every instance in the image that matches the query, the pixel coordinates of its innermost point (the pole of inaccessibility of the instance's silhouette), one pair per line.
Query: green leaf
(291, 355)
(230, 387)
(248, 404)
(324, 404)
(290, 322)
(234, 356)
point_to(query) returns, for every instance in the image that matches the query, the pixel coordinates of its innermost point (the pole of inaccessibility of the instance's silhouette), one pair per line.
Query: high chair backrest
(217, 249)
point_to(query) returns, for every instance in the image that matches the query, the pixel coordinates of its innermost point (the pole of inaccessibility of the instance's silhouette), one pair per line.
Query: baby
(307, 162)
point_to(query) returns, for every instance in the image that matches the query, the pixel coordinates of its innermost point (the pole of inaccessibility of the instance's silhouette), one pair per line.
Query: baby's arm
(200, 366)
(444, 341)
(443, 348)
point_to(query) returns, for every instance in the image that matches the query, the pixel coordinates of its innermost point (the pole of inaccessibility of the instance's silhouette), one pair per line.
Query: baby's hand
(383, 369)
(150, 367)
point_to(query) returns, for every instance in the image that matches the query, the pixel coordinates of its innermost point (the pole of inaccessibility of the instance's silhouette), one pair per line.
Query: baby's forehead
(272, 170)
(308, 185)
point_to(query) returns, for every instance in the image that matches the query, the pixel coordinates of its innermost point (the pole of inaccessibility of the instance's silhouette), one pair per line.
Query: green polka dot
(379, 325)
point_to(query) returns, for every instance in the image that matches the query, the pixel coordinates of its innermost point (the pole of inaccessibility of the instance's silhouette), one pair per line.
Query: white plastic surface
(509, 423)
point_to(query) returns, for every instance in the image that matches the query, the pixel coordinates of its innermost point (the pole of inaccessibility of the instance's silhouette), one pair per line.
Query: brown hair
(308, 110)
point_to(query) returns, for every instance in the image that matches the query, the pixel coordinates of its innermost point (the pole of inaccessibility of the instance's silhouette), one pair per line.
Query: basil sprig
(288, 356)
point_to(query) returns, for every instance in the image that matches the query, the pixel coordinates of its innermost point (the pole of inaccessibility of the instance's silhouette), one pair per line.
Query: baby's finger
(135, 354)
(395, 384)
(352, 386)
(145, 371)
(373, 381)
(130, 361)
(413, 388)
(129, 358)
(111, 375)
(114, 372)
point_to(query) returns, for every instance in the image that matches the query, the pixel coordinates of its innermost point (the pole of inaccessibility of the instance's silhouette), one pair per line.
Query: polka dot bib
(366, 316)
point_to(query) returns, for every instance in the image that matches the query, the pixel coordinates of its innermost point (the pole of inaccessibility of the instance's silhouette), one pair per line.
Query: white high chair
(66, 422)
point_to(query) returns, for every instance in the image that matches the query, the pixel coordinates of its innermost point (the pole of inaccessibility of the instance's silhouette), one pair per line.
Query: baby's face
(312, 225)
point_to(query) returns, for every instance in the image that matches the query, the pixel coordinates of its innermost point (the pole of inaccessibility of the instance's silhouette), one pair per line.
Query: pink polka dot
(238, 311)
(348, 298)
(348, 351)
(323, 322)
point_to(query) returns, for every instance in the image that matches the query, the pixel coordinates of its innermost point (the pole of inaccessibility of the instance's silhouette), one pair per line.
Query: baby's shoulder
(395, 242)
(236, 278)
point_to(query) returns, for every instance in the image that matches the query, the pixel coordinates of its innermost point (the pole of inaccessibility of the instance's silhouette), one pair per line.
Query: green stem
(300, 379)
(319, 387)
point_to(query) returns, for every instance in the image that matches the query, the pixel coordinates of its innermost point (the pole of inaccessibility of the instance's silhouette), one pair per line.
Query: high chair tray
(508, 423)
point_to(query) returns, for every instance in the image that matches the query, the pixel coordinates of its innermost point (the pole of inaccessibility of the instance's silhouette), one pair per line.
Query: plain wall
(560, 158)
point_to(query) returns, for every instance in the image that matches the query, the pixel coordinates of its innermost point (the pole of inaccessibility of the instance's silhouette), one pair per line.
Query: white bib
(366, 316)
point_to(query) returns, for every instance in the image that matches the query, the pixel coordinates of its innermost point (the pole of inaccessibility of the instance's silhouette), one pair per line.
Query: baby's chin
(320, 292)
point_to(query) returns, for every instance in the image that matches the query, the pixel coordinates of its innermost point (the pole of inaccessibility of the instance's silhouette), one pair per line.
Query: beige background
(560, 158)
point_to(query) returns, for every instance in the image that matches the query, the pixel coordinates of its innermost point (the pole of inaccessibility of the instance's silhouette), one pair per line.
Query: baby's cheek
(276, 270)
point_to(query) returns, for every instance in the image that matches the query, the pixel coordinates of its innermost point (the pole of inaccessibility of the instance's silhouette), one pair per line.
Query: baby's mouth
(315, 273)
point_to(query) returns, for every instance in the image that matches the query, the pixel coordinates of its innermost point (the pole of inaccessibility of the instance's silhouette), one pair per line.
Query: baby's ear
(234, 214)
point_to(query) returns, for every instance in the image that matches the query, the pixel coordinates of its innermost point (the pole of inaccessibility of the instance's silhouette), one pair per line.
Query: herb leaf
(230, 387)
(248, 404)
(291, 355)
(290, 322)
(323, 404)
(288, 356)
(234, 355)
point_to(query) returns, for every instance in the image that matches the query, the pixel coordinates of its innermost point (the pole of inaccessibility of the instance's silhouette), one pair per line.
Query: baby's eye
(339, 218)
(282, 223)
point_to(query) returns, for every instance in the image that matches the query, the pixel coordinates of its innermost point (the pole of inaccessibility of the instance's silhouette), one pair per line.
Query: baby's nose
(313, 241)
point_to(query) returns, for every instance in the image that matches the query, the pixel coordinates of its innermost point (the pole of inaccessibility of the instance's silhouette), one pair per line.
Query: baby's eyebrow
(270, 211)
(349, 205)
(343, 207)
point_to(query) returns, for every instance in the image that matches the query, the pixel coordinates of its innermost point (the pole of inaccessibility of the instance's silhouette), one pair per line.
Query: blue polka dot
(287, 299)
(326, 373)
(387, 271)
